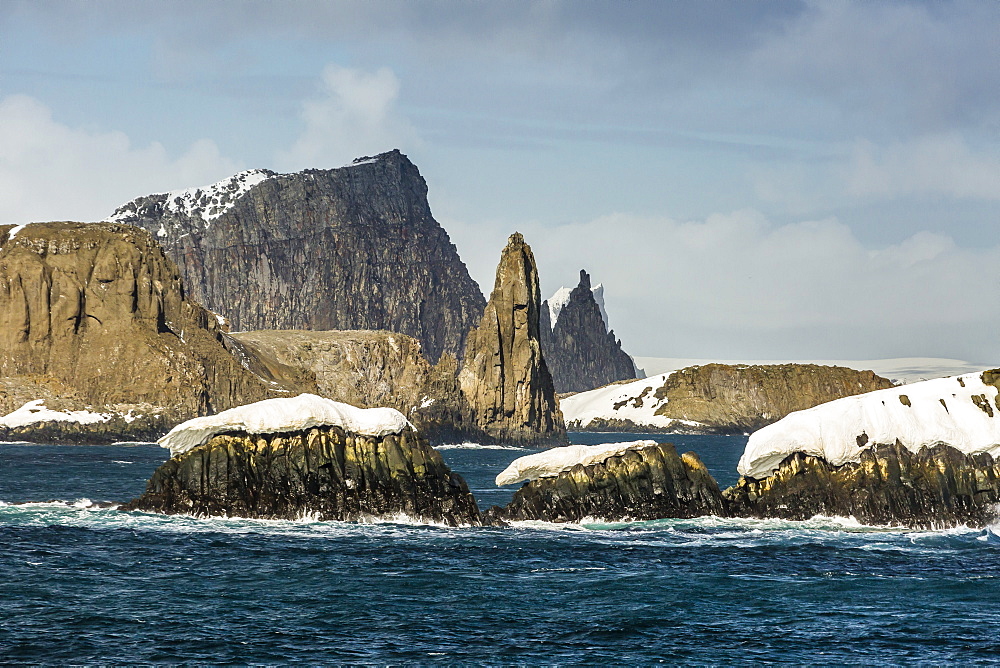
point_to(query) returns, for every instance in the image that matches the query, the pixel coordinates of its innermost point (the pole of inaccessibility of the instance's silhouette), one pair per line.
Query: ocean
(82, 583)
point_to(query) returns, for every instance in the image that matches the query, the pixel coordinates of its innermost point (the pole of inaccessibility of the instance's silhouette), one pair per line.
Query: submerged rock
(636, 481)
(935, 487)
(504, 377)
(324, 472)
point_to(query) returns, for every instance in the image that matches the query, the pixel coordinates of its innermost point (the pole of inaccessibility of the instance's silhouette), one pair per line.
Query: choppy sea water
(81, 583)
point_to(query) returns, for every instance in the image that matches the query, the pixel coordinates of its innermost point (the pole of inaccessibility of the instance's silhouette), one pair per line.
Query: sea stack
(306, 457)
(580, 351)
(504, 376)
(349, 248)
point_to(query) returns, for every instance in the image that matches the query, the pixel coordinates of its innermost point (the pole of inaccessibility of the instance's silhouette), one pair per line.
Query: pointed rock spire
(504, 376)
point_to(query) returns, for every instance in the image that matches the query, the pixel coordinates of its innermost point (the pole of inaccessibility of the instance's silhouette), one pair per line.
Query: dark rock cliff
(743, 398)
(579, 350)
(504, 376)
(349, 248)
(325, 473)
(933, 488)
(366, 369)
(645, 483)
(98, 309)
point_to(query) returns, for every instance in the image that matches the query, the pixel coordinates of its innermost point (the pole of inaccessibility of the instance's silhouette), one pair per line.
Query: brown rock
(98, 308)
(504, 376)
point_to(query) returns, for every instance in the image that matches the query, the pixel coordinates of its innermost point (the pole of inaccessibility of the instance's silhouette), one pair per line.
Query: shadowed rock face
(932, 488)
(579, 351)
(99, 309)
(349, 248)
(366, 369)
(646, 483)
(324, 473)
(743, 398)
(504, 377)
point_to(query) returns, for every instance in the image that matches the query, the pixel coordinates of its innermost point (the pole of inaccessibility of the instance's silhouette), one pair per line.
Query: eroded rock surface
(367, 369)
(504, 376)
(933, 488)
(743, 398)
(324, 473)
(98, 309)
(644, 483)
(580, 352)
(349, 248)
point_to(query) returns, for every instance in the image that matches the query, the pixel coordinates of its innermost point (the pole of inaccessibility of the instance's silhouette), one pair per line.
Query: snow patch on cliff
(627, 401)
(553, 462)
(35, 412)
(287, 414)
(206, 202)
(961, 411)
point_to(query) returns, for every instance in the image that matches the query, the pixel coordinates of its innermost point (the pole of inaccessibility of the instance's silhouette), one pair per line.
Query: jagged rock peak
(581, 353)
(504, 376)
(324, 249)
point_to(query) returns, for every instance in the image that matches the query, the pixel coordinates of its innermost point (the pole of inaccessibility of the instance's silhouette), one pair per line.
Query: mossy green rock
(324, 473)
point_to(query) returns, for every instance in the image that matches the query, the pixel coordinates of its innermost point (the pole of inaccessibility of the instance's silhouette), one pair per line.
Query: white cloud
(937, 165)
(354, 115)
(50, 171)
(735, 285)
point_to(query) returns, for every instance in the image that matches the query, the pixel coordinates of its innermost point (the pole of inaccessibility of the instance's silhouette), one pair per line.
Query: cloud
(738, 286)
(354, 115)
(50, 171)
(935, 165)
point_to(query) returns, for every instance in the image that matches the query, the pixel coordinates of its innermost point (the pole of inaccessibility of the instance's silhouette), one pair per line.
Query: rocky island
(306, 457)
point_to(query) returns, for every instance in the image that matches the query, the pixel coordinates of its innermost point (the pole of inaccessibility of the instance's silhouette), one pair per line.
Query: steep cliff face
(746, 398)
(349, 248)
(99, 308)
(323, 472)
(366, 369)
(934, 487)
(649, 481)
(579, 350)
(504, 376)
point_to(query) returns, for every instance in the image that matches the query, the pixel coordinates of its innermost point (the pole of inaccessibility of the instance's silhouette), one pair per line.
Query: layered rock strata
(934, 487)
(325, 473)
(649, 481)
(99, 310)
(504, 376)
(366, 369)
(349, 248)
(579, 350)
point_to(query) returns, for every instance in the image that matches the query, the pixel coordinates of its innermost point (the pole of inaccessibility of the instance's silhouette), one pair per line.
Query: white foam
(553, 462)
(286, 414)
(917, 415)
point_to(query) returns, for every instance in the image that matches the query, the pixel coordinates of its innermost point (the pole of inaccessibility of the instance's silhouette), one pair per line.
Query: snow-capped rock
(961, 411)
(555, 460)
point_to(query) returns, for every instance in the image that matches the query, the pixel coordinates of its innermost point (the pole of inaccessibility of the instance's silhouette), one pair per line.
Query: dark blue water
(83, 584)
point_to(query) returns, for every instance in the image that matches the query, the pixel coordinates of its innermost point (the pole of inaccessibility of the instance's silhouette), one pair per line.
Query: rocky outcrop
(99, 309)
(324, 473)
(504, 376)
(579, 350)
(366, 369)
(935, 487)
(743, 398)
(714, 398)
(645, 483)
(349, 248)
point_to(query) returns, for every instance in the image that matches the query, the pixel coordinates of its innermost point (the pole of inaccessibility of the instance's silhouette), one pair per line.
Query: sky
(749, 180)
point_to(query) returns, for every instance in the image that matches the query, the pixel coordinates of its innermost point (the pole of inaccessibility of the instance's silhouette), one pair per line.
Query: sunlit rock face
(349, 248)
(504, 376)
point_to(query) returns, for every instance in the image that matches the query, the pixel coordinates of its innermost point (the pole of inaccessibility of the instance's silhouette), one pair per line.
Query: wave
(480, 446)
